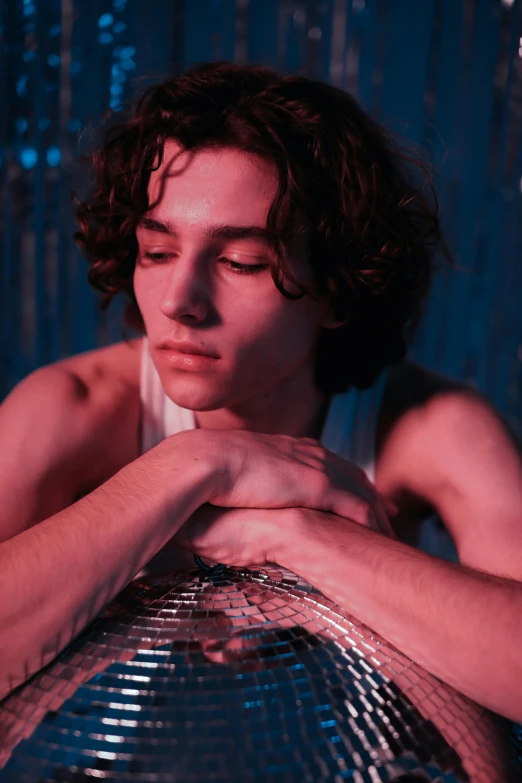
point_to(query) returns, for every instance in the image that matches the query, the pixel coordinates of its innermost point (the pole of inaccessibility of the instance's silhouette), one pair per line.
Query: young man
(267, 223)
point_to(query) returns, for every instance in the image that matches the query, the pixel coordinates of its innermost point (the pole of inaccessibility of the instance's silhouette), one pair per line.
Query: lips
(187, 347)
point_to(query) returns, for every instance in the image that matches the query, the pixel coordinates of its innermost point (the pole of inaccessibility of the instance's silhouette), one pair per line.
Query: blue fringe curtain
(446, 74)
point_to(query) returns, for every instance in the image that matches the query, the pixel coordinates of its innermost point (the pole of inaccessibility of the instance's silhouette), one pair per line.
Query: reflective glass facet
(242, 676)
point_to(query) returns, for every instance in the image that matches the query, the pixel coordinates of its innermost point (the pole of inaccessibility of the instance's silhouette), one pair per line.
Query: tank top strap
(351, 425)
(160, 416)
(152, 402)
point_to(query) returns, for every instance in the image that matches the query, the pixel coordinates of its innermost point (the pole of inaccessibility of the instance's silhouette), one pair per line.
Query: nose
(186, 295)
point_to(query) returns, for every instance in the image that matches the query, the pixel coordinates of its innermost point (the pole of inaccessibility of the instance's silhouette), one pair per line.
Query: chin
(194, 396)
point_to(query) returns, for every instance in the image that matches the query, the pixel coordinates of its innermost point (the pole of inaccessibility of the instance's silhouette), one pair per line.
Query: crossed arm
(460, 624)
(463, 622)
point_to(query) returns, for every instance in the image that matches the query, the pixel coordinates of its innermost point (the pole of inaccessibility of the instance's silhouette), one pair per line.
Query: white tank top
(349, 430)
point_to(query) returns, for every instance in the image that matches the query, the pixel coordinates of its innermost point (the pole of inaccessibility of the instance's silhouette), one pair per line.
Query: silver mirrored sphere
(243, 675)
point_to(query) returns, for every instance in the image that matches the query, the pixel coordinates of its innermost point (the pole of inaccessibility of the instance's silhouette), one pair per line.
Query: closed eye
(242, 269)
(157, 256)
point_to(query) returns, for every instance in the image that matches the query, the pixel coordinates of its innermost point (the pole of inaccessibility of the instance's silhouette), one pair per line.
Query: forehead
(227, 183)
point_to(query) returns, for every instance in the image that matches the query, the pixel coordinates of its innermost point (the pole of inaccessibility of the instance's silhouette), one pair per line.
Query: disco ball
(242, 675)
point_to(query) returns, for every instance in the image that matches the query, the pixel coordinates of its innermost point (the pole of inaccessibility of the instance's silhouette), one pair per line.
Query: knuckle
(320, 485)
(311, 441)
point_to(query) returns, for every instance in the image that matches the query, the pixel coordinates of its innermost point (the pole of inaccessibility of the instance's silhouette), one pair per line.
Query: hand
(242, 537)
(279, 471)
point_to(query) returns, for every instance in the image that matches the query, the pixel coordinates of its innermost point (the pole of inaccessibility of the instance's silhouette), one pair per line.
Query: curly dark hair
(369, 205)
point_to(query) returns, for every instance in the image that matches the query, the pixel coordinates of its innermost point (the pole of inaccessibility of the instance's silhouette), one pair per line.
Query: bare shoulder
(109, 378)
(410, 385)
(435, 437)
(64, 429)
(451, 449)
(410, 391)
(417, 396)
(106, 367)
(411, 394)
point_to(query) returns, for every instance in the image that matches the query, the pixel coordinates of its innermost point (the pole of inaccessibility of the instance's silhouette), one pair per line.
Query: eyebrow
(217, 231)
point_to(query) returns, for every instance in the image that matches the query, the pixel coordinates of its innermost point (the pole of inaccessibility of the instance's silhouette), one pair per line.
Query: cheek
(278, 333)
(143, 290)
(136, 284)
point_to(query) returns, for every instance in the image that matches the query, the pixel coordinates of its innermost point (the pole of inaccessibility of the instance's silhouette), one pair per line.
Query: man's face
(192, 291)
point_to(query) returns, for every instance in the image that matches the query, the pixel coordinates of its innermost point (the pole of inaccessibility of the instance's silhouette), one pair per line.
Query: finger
(369, 514)
(385, 525)
(386, 528)
(382, 523)
(352, 506)
(391, 508)
(383, 509)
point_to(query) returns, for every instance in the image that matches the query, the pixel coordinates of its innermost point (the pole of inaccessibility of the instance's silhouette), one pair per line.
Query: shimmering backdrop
(447, 74)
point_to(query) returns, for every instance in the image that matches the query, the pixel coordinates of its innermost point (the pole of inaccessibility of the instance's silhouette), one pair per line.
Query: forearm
(56, 576)
(462, 625)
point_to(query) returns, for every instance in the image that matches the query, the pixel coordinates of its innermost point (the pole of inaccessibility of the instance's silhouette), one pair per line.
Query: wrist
(190, 459)
(309, 539)
(288, 537)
